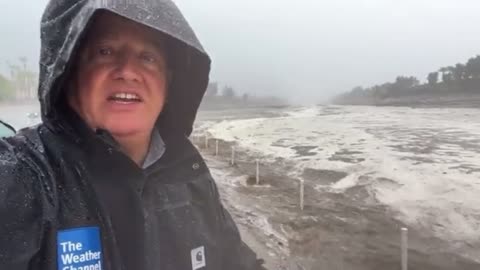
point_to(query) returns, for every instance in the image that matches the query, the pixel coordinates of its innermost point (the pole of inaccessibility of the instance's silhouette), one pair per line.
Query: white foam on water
(424, 163)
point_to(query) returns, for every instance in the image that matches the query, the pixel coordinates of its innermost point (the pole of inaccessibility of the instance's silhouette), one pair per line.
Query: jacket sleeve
(20, 213)
(237, 255)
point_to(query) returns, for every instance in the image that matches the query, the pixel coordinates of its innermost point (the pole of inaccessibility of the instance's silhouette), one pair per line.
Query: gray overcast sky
(305, 49)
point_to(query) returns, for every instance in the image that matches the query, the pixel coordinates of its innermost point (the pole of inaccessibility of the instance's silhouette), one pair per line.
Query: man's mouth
(124, 98)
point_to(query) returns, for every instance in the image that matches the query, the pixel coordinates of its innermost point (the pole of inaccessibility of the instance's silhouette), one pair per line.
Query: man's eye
(105, 51)
(148, 57)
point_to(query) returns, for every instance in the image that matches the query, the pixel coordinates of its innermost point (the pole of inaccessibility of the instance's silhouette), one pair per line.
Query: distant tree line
(21, 84)
(461, 78)
(227, 96)
(6, 88)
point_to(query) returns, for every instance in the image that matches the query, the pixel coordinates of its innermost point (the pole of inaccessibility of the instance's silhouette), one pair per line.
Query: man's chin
(127, 131)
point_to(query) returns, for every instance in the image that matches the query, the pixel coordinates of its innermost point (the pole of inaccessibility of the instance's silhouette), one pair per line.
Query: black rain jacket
(71, 200)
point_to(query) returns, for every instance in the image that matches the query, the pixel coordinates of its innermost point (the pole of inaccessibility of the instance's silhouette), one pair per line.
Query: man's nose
(127, 68)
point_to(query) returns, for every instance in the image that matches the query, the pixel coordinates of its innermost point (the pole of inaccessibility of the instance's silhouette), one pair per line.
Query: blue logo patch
(79, 249)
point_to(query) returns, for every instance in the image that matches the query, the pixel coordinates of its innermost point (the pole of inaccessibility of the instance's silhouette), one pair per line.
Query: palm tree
(459, 72)
(473, 67)
(433, 78)
(446, 74)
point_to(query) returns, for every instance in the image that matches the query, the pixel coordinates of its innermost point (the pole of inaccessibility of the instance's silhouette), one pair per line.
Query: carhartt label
(198, 258)
(79, 249)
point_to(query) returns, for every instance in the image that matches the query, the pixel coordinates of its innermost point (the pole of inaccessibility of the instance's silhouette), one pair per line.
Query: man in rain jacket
(110, 180)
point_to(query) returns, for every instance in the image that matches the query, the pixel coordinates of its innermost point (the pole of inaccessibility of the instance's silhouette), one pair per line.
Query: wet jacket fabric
(71, 200)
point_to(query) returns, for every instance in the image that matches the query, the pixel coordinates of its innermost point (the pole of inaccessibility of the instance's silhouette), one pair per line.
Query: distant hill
(457, 85)
(229, 98)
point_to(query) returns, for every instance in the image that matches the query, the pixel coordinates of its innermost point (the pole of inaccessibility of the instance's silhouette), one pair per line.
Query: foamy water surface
(423, 163)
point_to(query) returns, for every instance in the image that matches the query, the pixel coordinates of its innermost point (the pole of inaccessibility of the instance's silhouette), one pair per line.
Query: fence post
(302, 194)
(258, 172)
(206, 141)
(216, 147)
(404, 236)
(233, 155)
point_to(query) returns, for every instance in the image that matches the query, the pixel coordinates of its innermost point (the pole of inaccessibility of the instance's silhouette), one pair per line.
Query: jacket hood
(65, 22)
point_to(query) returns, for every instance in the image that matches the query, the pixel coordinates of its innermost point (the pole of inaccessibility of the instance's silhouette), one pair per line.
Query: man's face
(120, 83)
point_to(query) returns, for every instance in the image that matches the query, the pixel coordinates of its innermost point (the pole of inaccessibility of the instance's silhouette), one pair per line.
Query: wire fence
(230, 152)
